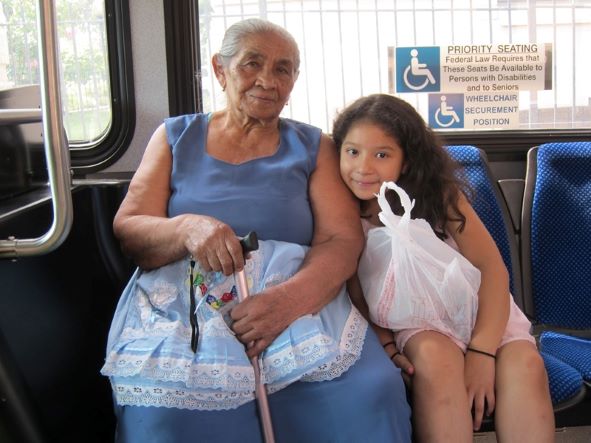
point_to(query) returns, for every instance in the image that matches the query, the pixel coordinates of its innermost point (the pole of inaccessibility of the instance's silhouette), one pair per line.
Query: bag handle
(386, 215)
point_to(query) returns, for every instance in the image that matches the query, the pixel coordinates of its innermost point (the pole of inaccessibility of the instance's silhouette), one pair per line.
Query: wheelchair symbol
(417, 70)
(446, 111)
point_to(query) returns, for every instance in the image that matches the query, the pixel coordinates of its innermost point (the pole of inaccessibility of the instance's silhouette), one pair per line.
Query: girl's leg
(439, 400)
(523, 409)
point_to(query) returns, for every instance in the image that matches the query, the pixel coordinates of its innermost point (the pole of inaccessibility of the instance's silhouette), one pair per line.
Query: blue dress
(327, 375)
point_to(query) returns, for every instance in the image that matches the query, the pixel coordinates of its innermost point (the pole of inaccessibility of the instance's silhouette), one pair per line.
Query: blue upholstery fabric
(561, 235)
(565, 381)
(574, 351)
(485, 201)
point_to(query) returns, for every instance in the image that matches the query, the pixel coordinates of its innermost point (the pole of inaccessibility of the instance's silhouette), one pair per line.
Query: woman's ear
(218, 69)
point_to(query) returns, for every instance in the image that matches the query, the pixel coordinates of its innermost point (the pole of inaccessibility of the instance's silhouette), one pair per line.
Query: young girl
(382, 138)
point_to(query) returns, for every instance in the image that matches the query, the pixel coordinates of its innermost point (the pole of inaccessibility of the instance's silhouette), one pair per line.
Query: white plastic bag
(412, 279)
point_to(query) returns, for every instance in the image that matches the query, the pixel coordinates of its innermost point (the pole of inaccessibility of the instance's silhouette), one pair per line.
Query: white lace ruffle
(149, 359)
(211, 387)
(350, 350)
(133, 395)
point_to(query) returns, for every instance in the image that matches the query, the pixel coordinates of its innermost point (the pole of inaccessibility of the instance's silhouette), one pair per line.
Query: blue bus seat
(556, 233)
(566, 384)
(490, 206)
(570, 349)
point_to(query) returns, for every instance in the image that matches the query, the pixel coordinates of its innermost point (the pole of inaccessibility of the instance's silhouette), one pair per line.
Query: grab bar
(56, 149)
(20, 116)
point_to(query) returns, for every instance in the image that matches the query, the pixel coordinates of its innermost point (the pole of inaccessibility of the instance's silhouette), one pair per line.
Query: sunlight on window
(84, 67)
(348, 50)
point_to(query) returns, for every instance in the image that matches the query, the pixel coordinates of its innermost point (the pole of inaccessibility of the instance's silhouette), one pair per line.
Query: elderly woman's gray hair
(234, 35)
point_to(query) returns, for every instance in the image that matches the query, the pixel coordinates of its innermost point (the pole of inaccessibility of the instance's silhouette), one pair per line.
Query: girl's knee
(521, 361)
(435, 355)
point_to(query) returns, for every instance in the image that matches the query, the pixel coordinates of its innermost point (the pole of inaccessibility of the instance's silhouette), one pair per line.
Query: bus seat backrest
(491, 208)
(556, 235)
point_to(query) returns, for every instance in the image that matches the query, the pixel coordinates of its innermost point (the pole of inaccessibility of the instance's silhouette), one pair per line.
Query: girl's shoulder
(367, 225)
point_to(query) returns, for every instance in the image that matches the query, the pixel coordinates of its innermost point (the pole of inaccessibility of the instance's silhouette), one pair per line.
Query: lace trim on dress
(351, 345)
(132, 395)
(211, 387)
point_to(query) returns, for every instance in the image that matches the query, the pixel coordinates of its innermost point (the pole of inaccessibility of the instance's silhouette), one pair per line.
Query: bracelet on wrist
(387, 344)
(394, 355)
(478, 351)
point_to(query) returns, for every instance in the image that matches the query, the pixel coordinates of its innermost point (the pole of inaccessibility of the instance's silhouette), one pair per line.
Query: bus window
(93, 92)
(83, 61)
(478, 65)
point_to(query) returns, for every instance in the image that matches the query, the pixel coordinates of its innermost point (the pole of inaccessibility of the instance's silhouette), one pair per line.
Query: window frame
(92, 158)
(512, 144)
(181, 24)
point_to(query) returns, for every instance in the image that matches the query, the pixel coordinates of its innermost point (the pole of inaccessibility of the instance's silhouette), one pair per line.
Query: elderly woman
(204, 180)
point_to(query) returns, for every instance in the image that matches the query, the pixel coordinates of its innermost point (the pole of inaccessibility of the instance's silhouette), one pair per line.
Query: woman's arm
(151, 238)
(332, 259)
(356, 295)
(337, 241)
(385, 336)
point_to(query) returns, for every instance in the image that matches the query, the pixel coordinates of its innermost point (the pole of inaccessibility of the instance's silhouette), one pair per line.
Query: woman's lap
(367, 403)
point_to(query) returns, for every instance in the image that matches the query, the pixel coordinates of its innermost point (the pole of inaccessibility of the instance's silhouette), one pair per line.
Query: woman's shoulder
(288, 124)
(178, 125)
(298, 134)
(184, 120)
(298, 124)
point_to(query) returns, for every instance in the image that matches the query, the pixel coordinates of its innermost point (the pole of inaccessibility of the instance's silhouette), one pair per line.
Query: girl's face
(369, 157)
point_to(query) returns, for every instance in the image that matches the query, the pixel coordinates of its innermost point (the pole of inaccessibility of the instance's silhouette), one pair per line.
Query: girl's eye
(381, 155)
(351, 151)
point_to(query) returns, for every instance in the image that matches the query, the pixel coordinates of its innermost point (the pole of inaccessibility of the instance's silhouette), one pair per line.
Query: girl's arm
(152, 239)
(476, 244)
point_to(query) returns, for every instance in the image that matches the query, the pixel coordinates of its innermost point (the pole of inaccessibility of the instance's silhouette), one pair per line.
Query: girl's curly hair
(430, 175)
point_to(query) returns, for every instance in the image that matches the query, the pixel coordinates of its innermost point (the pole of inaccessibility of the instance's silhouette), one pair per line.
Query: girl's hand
(213, 244)
(479, 376)
(406, 368)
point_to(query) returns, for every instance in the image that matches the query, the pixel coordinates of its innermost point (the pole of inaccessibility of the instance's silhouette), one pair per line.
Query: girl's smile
(369, 156)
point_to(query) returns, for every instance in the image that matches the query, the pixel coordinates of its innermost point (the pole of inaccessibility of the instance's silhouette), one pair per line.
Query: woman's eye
(381, 155)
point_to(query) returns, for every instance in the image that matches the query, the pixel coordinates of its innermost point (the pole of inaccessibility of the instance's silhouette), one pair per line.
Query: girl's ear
(218, 69)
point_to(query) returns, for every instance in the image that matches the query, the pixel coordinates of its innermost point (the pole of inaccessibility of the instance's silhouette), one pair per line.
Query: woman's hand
(213, 244)
(260, 319)
(479, 376)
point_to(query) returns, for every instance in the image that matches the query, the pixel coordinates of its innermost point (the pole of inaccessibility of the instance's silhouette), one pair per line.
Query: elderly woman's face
(261, 76)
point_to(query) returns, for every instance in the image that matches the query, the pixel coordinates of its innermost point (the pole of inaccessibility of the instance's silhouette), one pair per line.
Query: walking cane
(250, 243)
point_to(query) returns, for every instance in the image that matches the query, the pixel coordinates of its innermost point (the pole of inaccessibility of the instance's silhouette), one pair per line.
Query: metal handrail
(20, 116)
(56, 148)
